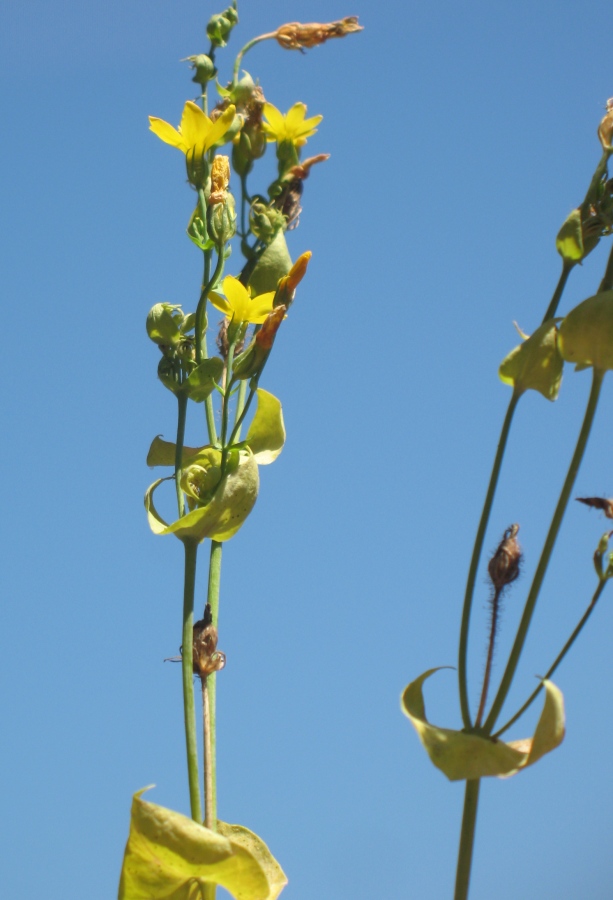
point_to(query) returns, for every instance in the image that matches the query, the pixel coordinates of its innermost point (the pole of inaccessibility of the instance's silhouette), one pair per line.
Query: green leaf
(223, 516)
(586, 334)
(536, 364)
(201, 381)
(274, 263)
(462, 756)
(266, 434)
(171, 857)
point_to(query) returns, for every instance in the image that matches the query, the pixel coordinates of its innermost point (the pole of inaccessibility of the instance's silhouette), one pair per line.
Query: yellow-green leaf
(266, 434)
(586, 334)
(171, 857)
(535, 364)
(162, 453)
(463, 756)
(223, 516)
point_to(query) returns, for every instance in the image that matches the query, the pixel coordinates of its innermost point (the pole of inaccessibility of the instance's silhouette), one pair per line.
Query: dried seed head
(505, 564)
(207, 658)
(301, 36)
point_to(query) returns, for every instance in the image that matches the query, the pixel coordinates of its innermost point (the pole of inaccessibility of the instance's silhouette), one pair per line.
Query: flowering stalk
(217, 484)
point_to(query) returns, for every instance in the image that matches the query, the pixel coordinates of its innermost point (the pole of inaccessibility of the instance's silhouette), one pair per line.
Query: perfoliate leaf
(202, 380)
(223, 516)
(171, 857)
(162, 453)
(535, 364)
(586, 334)
(266, 434)
(463, 756)
(274, 263)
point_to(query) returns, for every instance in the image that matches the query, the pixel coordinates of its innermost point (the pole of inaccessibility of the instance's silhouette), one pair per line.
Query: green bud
(176, 365)
(586, 334)
(265, 221)
(535, 364)
(222, 220)
(204, 68)
(250, 361)
(198, 169)
(197, 231)
(164, 323)
(219, 26)
(576, 238)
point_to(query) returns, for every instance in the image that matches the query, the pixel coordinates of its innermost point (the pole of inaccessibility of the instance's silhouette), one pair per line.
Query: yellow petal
(195, 126)
(260, 307)
(219, 127)
(295, 116)
(166, 132)
(238, 298)
(276, 120)
(220, 303)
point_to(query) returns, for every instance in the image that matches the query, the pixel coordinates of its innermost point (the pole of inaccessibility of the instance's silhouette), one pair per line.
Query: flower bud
(265, 221)
(198, 170)
(605, 129)
(219, 26)
(504, 566)
(164, 323)
(286, 288)
(204, 68)
(265, 337)
(222, 220)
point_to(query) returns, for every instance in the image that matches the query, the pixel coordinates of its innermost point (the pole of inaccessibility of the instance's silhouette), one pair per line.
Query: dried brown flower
(301, 36)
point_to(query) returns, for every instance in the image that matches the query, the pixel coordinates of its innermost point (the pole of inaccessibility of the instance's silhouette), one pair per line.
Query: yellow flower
(237, 304)
(196, 132)
(291, 127)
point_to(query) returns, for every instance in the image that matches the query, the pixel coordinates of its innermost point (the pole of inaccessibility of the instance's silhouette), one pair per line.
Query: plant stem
(567, 268)
(209, 817)
(467, 839)
(490, 654)
(182, 400)
(189, 707)
(248, 46)
(476, 556)
(240, 405)
(209, 708)
(558, 659)
(541, 569)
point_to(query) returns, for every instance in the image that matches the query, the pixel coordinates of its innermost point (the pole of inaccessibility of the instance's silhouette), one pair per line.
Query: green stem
(240, 405)
(189, 707)
(182, 400)
(241, 53)
(467, 839)
(241, 418)
(210, 764)
(476, 556)
(558, 659)
(539, 575)
(567, 268)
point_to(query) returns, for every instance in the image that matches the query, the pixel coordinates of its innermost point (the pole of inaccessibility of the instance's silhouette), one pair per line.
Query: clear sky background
(461, 135)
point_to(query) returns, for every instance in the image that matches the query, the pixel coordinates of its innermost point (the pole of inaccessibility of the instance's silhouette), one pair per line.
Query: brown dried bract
(207, 658)
(301, 36)
(504, 566)
(599, 503)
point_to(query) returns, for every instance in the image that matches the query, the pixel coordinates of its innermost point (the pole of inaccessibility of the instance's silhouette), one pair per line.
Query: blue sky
(461, 135)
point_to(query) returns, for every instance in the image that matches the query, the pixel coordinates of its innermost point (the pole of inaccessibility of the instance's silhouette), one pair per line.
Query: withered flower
(301, 36)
